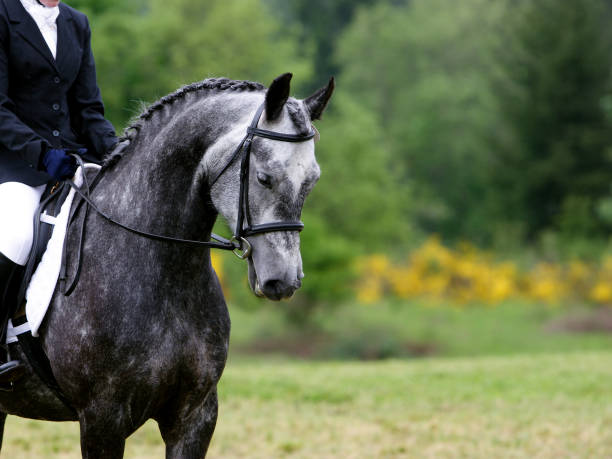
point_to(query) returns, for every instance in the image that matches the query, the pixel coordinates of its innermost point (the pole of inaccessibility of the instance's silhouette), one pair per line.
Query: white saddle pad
(41, 287)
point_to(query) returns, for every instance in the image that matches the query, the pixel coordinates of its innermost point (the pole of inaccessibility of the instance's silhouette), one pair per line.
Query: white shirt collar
(41, 13)
(45, 18)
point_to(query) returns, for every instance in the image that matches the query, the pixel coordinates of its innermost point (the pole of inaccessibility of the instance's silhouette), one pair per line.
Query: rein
(238, 243)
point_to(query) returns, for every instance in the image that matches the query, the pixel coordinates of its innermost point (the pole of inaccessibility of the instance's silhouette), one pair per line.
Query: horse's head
(278, 175)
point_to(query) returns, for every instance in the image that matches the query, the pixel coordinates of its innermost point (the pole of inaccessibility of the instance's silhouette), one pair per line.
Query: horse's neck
(158, 185)
(153, 186)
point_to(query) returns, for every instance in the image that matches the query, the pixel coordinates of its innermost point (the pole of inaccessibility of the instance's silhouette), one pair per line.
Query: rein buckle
(243, 249)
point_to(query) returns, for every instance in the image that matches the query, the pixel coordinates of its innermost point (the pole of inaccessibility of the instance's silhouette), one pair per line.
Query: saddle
(49, 208)
(44, 220)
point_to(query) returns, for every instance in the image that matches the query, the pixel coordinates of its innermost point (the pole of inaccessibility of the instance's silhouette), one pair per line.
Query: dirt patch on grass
(303, 345)
(321, 345)
(592, 321)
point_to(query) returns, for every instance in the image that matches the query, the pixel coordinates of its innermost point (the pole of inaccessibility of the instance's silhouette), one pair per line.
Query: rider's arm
(16, 138)
(86, 103)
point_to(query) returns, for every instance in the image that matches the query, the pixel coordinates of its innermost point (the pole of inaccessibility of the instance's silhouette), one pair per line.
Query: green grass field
(404, 329)
(543, 405)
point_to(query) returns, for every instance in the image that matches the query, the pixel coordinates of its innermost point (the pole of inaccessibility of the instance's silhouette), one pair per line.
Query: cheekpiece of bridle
(238, 243)
(242, 247)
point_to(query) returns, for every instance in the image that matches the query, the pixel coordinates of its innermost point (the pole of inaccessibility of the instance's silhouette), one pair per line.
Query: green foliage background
(479, 120)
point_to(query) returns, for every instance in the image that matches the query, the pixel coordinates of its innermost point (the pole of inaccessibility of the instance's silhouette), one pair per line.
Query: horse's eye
(264, 179)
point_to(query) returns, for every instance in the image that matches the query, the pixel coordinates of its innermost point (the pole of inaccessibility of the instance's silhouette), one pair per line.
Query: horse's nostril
(272, 286)
(276, 289)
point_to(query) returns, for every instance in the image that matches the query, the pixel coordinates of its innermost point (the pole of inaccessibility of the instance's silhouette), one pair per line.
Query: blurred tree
(329, 266)
(143, 54)
(553, 92)
(321, 23)
(359, 195)
(358, 206)
(422, 67)
(95, 8)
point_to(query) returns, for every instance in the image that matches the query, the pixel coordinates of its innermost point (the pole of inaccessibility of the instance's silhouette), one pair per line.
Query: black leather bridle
(244, 152)
(238, 243)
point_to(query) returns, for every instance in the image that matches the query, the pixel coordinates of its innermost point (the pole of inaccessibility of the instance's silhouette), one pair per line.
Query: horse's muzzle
(277, 290)
(272, 288)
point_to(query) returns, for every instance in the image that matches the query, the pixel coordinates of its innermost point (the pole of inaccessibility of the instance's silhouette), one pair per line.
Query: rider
(49, 103)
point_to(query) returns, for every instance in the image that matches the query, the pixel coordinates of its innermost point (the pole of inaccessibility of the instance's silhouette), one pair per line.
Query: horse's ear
(277, 96)
(316, 103)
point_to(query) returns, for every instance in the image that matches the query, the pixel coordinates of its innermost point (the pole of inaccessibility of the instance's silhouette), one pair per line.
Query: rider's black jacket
(46, 102)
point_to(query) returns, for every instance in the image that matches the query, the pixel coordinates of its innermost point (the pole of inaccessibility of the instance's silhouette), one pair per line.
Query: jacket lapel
(66, 60)
(27, 28)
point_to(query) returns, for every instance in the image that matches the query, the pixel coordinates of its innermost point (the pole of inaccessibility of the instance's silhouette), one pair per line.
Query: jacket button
(56, 133)
(56, 107)
(56, 79)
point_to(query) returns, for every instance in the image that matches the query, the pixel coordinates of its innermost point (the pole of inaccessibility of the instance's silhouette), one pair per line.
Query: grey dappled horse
(145, 334)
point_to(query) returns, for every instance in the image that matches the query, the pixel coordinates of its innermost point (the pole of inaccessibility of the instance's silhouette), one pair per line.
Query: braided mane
(218, 84)
(211, 84)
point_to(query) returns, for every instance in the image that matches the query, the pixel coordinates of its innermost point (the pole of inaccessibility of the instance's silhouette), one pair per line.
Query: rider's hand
(58, 164)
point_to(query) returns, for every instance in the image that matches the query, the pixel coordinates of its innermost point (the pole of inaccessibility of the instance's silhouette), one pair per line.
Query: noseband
(244, 215)
(238, 243)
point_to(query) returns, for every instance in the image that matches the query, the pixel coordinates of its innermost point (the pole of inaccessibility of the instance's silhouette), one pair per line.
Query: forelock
(298, 116)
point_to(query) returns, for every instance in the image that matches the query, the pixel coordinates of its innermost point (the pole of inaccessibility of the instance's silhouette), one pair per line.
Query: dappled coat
(47, 102)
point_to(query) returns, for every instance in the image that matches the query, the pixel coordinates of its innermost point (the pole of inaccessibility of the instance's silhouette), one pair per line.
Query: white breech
(18, 203)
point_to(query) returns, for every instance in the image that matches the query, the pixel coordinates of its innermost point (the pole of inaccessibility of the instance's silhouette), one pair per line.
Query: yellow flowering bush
(467, 274)
(217, 263)
(601, 290)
